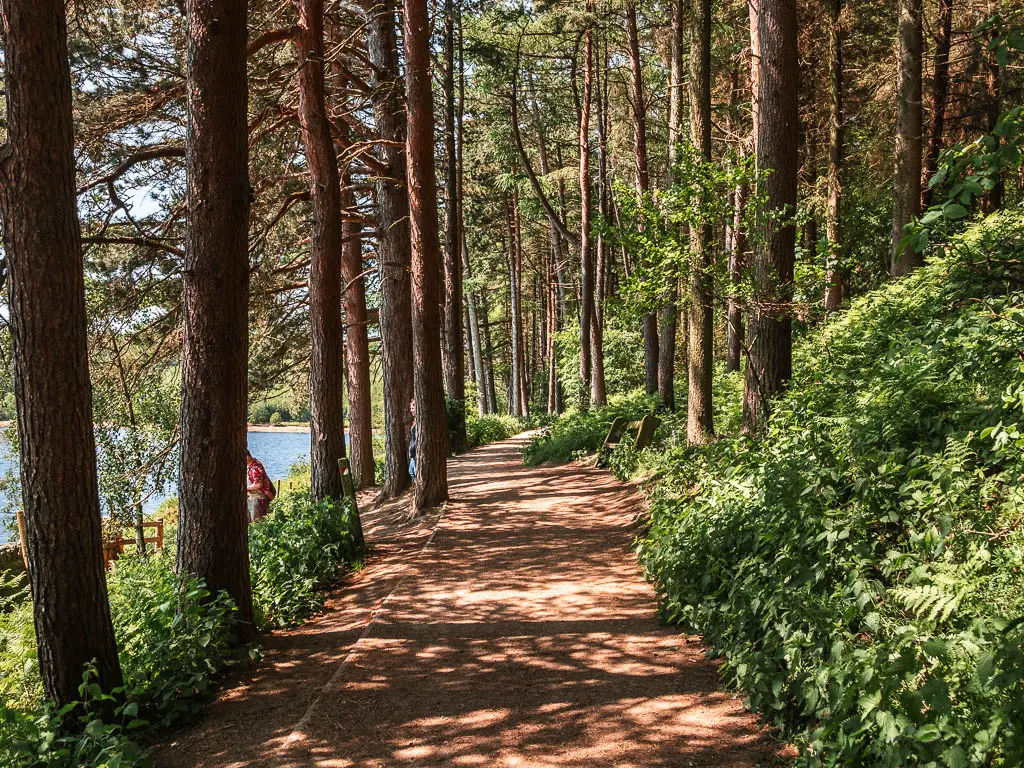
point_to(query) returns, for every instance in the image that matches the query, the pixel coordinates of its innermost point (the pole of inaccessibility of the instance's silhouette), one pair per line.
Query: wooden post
(349, 489)
(23, 537)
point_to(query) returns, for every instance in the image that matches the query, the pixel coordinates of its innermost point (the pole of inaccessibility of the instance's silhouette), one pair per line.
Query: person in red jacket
(261, 490)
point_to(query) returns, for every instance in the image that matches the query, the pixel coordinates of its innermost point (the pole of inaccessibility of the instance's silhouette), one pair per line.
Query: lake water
(277, 450)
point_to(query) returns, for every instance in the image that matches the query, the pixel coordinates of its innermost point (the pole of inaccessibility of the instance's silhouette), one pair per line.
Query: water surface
(277, 450)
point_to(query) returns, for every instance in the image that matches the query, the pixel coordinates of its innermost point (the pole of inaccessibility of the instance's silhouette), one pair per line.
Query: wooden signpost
(348, 487)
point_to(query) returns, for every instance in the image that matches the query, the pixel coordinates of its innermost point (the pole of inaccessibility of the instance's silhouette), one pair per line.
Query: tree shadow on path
(523, 635)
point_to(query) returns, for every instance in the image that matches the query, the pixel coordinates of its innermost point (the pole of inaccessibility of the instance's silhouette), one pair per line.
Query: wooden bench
(622, 428)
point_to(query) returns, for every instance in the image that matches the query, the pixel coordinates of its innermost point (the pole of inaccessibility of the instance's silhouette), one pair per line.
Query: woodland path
(514, 629)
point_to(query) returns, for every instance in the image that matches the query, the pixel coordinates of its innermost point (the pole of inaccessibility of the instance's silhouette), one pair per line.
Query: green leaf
(954, 211)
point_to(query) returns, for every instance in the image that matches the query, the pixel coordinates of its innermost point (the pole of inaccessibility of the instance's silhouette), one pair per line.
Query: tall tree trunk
(213, 524)
(357, 346)
(735, 242)
(475, 343)
(699, 415)
(753, 11)
(492, 394)
(476, 349)
(46, 294)
(521, 350)
(432, 423)
(514, 315)
(833, 276)
(771, 354)
(737, 256)
(669, 310)
(326, 368)
(393, 247)
(598, 390)
(643, 182)
(940, 97)
(454, 357)
(907, 176)
(992, 200)
(586, 256)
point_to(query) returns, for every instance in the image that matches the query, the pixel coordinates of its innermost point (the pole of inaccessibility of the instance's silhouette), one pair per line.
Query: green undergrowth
(577, 433)
(860, 568)
(175, 640)
(296, 553)
(481, 430)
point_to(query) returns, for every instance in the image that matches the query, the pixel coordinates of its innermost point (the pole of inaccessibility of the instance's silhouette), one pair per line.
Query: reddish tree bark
(836, 149)
(586, 254)
(907, 176)
(992, 200)
(326, 367)
(393, 243)
(770, 363)
(46, 293)
(431, 420)
(213, 523)
(700, 417)
(357, 347)
(670, 310)
(452, 343)
(940, 98)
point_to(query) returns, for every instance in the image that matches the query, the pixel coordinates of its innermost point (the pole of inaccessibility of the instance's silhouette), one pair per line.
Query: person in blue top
(412, 442)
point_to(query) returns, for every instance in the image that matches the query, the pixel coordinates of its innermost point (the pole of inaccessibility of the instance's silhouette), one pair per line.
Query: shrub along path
(514, 630)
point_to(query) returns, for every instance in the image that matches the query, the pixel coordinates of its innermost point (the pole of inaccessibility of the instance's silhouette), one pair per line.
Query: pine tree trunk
(833, 276)
(475, 344)
(586, 255)
(770, 364)
(357, 347)
(213, 520)
(669, 309)
(488, 356)
(992, 200)
(514, 316)
(737, 256)
(454, 356)
(907, 177)
(46, 293)
(940, 97)
(753, 11)
(598, 390)
(431, 420)
(393, 246)
(699, 415)
(326, 366)
(643, 182)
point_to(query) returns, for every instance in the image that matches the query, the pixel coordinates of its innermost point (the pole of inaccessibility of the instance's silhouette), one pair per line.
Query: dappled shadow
(522, 636)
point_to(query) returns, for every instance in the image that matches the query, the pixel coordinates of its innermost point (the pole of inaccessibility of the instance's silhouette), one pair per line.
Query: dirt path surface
(513, 630)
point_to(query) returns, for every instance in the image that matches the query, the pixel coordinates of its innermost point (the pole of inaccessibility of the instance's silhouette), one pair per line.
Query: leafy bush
(294, 553)
(481, 430)
(860, 568)
(275, 419)
(173, 638)
(79, 734)
(579, 432)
